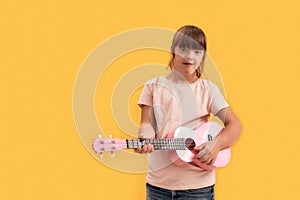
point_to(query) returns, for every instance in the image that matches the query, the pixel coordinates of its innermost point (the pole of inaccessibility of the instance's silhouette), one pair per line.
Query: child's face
(187, 60)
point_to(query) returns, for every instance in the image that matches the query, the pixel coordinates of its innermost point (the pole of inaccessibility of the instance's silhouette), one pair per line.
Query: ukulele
(180, 144)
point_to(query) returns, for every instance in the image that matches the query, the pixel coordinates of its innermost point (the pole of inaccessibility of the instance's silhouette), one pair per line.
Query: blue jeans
(157, 193)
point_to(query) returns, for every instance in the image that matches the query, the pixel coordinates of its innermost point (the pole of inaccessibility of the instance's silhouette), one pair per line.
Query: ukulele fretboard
(159, 143)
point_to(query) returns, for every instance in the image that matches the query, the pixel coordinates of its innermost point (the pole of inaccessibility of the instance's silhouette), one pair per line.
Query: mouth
(188, 64)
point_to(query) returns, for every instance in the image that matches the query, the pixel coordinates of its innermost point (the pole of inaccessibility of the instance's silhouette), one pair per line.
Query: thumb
(199, 148)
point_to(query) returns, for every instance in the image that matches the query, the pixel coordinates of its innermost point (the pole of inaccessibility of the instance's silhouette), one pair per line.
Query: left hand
(207, 152)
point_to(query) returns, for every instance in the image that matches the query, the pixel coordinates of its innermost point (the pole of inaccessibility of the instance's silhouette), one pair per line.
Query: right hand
(147, 148)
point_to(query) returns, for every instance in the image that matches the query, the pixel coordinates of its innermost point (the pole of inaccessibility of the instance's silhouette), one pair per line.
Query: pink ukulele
(182, 142)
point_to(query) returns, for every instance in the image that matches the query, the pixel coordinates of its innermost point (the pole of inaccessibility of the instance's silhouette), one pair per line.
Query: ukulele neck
(159, 143)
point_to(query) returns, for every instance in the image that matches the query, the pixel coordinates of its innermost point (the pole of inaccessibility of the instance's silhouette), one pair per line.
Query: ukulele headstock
(110, 144)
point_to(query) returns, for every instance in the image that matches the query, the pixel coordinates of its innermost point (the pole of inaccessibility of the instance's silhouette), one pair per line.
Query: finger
(144, 148)
(147, 148)
(202, 153)
(206, 159)
(137, 150)
(211, 162)
(199, 148)
(151, 148)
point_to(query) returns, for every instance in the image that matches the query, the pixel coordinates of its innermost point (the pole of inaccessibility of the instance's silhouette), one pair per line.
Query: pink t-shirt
(175, 102)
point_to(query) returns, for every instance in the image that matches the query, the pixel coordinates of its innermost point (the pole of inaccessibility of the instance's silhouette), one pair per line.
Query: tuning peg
(101, 155)
(112, 154)
(100, 136)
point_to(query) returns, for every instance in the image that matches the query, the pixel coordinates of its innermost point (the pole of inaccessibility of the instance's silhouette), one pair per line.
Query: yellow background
(255, 45)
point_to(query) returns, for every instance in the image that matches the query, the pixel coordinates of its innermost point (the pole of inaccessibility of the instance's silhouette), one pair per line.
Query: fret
(129, 144)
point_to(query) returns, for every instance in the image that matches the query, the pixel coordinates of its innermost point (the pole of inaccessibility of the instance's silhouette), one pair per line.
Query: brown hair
(192, 37)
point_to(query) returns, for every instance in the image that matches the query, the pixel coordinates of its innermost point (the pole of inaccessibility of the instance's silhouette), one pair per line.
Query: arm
(232, 130)
(208, 151)
(146, 130)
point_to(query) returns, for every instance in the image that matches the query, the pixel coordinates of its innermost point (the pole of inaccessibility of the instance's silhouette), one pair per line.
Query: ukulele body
(194, 138)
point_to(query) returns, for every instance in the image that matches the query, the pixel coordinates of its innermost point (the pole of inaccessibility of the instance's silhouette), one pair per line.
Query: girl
(183, 98)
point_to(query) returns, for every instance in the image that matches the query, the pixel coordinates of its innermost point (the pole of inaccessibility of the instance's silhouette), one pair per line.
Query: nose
(189, 55)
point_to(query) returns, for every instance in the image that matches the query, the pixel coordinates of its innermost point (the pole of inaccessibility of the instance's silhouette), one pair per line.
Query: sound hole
(190, 143)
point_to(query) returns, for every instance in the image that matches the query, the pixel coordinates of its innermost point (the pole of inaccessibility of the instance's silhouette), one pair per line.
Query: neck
(191, 78)
(180, 77)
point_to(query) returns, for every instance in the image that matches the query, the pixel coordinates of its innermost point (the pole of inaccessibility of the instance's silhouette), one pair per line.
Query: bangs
(190, 37)
(188, 42)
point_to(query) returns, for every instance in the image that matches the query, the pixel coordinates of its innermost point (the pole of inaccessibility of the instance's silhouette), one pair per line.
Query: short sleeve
(217, 100)
(146, 97)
